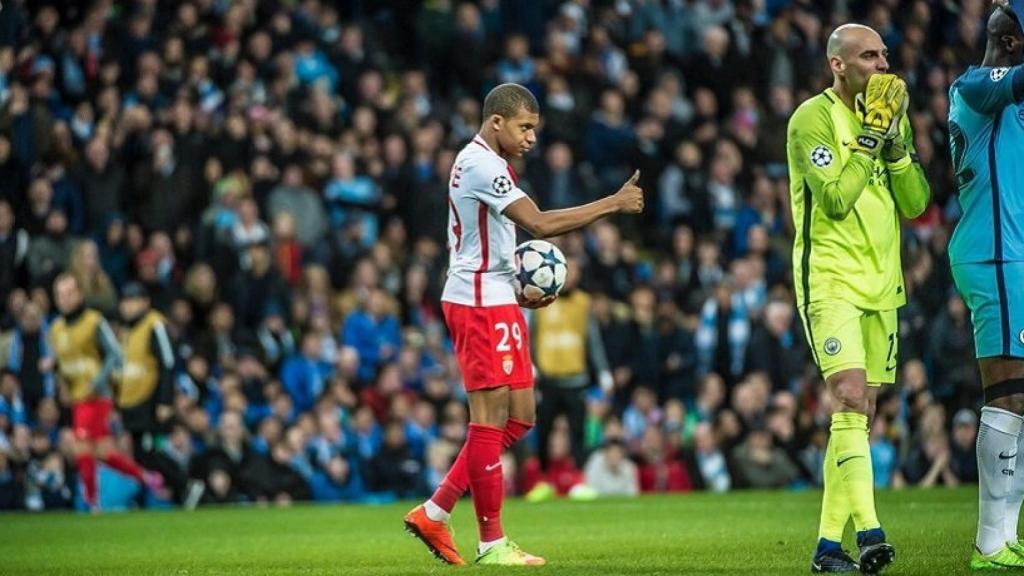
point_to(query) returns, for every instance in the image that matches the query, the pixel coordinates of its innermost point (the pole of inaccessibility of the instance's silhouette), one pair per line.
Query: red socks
(124, 465)
(484, 445)
(514, 431)
(87, 473)
(456, 482)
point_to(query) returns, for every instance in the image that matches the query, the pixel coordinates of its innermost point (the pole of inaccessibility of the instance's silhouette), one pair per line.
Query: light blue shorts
(994, 292)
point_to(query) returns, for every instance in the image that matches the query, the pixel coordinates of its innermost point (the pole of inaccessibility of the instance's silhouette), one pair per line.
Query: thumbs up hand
(631, 197)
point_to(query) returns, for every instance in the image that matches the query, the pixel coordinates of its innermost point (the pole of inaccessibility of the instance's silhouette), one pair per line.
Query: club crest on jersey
(507, 364)
(821, 156)
(501, 185)
(997, 74)
(833, 346)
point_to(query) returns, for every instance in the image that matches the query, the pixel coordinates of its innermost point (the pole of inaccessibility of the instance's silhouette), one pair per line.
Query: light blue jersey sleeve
(986, 131)
(989, 90)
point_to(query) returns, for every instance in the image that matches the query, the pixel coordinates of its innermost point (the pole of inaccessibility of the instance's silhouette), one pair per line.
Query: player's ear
(497, 121)
(1010, 42)
(836, 64)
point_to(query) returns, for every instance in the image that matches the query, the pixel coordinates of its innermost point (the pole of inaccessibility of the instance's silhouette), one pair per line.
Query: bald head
(1003, 22)
(855, 53)
(849, 39)
(1005, 45)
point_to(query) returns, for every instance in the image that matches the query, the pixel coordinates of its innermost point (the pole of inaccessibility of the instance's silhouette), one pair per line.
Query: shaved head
(855, 53)
(1001, 23)
(1005, 45)
(847, 38)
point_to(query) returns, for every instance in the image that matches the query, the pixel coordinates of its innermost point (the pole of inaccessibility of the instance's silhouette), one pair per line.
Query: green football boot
(508, 553)
(1004, 559)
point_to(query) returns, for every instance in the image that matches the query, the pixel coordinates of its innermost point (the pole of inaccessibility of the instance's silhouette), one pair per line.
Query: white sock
(1015, 497)
(997, 439)
(485, 546)
(435, 512)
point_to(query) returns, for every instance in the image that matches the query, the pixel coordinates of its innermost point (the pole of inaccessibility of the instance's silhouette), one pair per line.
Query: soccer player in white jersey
(482, 310)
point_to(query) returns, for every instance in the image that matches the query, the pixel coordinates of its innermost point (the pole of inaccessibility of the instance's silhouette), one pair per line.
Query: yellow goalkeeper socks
(835, 506)
(853, 463)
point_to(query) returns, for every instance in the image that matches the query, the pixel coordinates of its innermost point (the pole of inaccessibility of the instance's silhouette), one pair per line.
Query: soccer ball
(541, 269)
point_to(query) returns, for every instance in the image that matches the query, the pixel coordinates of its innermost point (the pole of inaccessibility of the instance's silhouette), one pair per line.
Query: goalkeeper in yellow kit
(853, 171)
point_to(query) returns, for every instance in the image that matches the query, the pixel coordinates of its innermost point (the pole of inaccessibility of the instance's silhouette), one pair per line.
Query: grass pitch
(740, 533)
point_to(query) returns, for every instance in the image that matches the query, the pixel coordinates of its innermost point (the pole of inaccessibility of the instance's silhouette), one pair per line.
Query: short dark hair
(507, 100)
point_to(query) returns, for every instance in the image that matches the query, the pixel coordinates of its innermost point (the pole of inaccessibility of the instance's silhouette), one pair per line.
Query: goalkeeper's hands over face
(880, 109)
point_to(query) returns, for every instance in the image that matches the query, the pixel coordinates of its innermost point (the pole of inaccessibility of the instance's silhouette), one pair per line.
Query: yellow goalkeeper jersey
(852, 256)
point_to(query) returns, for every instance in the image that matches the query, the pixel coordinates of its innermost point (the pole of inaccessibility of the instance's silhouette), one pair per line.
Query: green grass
(742, 533)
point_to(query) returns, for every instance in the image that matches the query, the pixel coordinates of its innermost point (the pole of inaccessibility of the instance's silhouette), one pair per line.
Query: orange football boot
(436, 535)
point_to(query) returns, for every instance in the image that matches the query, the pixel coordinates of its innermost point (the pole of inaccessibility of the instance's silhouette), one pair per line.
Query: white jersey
(481, 241)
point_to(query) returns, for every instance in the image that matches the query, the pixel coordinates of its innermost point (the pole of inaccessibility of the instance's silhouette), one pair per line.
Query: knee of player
(850, 393)
(491, 414)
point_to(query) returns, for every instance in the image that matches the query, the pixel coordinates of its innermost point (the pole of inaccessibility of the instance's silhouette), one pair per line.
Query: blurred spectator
(761, 464)
(257, 289)
(373, 332)
(97, 289)
(723, 334)
(884, 457)
(963, 443)
(610, 473)
(711, 463)
(304, 375)
(566, 347)
(951, 348)
(560, 476)
(30, 358)
(294, 198)
(660, 469)
(393, 469)
(14, 243)
(777, 346)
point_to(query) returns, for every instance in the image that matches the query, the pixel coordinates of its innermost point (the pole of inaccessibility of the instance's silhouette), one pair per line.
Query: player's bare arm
(544, 224)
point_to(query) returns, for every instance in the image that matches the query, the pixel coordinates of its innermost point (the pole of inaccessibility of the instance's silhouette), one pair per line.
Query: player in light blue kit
(986, 132)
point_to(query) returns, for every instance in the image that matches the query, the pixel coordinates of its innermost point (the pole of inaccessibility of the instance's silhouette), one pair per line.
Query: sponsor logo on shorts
(833, 346)
(507, 364)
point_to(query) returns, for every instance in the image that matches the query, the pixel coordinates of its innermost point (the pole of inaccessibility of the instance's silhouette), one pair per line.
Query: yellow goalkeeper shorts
(844, 337)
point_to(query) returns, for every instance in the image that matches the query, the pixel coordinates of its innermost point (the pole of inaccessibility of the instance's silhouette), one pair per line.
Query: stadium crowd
(275, 177)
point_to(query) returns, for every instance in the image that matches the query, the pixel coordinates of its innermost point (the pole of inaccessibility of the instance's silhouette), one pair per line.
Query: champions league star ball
(541, 270)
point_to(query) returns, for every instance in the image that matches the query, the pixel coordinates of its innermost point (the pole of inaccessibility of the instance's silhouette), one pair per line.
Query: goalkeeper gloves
(894, 150)
(880, 109)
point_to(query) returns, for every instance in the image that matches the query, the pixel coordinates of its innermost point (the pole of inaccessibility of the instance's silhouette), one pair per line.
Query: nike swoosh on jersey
(1005, 456)
(490, 467)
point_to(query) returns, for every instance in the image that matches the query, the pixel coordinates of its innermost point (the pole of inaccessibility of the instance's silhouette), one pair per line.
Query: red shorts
(492, 345)
(91, 419)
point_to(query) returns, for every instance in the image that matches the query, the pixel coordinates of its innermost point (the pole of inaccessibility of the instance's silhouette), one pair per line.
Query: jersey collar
(480, 141)
(837, 101)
